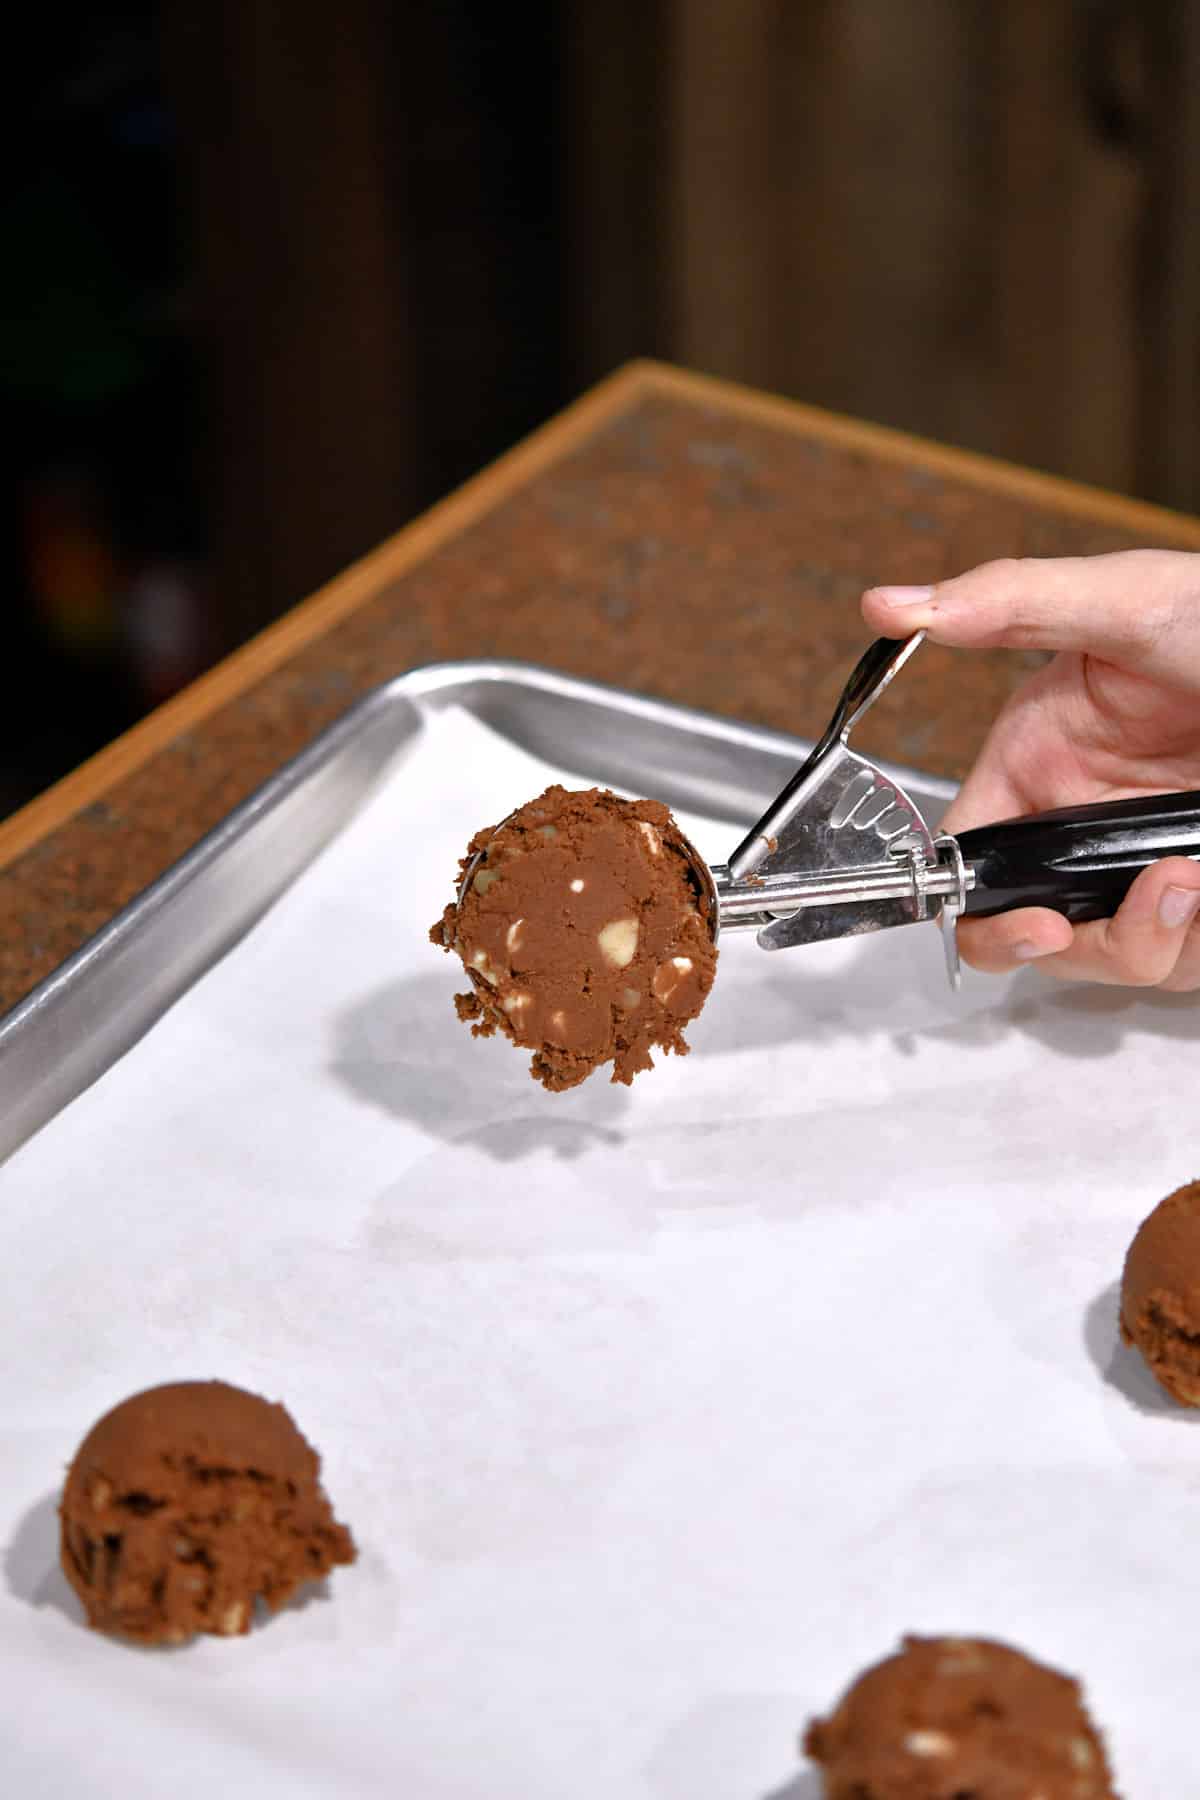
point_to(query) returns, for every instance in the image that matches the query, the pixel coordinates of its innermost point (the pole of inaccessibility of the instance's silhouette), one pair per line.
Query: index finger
(1137, 608)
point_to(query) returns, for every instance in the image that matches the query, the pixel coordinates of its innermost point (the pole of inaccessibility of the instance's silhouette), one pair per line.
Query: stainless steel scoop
(843, 850)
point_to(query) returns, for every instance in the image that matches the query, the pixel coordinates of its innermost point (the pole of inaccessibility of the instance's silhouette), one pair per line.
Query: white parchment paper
(656, 1413)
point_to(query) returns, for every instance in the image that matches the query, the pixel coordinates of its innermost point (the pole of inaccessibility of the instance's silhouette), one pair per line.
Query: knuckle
(984, 954)
(1132, 957)
(1004, 581)
(1184, 978)
(1144, 627)
(1011, 598)
(1136, 971)
(1008, 571)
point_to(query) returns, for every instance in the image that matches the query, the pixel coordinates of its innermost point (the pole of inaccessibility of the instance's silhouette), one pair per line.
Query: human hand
(1115, 714)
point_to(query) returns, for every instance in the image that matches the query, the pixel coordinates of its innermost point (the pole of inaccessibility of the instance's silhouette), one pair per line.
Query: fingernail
(903, 596)
(1178, 906)
(1028, 951)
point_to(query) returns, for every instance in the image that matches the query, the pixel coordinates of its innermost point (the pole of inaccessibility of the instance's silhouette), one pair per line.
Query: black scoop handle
(1081, 860)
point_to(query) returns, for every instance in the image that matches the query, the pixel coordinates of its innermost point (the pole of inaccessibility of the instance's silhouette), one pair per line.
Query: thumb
(1137, 608)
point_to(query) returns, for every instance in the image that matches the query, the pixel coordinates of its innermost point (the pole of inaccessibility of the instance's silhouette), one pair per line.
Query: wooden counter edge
(971, 467)
(617, 394)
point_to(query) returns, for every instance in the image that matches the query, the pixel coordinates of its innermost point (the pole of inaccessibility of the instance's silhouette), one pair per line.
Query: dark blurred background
(277, 276)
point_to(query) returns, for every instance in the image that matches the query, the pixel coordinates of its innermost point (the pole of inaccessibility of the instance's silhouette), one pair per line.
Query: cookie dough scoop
(588, 924)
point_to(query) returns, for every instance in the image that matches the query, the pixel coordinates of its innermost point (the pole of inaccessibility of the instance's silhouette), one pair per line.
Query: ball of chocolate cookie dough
(586, 934)
(1160, 1293)
(950, 1717)
(187, 1503)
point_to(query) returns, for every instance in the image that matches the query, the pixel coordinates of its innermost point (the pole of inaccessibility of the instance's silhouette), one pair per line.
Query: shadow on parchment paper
(727, 1732)
(885, 990)
(31, 1566)
(1095, 1021)
(1122, 1367)
(806, 1786)
(403, 1050)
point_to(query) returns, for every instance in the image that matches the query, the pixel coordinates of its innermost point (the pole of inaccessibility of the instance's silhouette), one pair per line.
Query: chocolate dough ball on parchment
(585, 932)
(960, 1719)
(185, 1504)
(1160, 1293)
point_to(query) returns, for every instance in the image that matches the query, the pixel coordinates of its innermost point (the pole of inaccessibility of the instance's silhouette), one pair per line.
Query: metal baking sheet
(76, 1024)
(656, 1413)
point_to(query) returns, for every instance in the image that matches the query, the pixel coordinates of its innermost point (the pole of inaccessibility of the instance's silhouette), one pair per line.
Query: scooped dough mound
(585, 932)
(186, 1504)
(960, 1719)
(1160, 1294)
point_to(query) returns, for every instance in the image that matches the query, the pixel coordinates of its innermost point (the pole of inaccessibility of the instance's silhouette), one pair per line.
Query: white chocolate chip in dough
(962, 1658)
(651, 836)
(479, 962)
(484, 879)
(668, 976)
(578, 885)
(630, 998)
(514, 935)
(233, 1619)
(618, 942)
(1081, 1753)
(929, 1743)
(516, 1001)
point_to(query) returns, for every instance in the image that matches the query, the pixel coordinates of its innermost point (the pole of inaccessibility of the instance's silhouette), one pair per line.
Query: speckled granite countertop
(668, 534)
